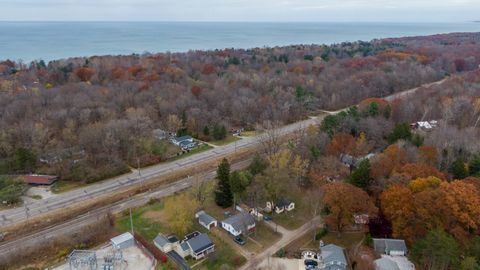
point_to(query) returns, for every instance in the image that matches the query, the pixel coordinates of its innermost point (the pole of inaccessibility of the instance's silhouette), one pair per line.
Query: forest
(94, 116)
(417, 184)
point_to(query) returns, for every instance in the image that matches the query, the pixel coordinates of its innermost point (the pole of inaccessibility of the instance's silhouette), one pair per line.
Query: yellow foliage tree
(180, 212)
(420, 184)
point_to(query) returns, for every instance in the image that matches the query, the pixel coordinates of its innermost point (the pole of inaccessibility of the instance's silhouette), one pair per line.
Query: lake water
(54, 40)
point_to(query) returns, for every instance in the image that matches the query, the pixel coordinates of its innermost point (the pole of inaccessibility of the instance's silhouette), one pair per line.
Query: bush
(280, 253)
(321, 234)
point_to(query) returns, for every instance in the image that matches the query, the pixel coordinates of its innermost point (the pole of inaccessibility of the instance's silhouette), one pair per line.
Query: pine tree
(361, 175)
(458, 169)
(223, 194)
(474, 165)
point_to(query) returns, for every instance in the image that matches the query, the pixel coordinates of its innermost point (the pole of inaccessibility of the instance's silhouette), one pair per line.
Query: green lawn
(63, 186)
(263, 238)
(248, 133)
(146, 227)
(229, 139)
(224, 256)
(196, 150)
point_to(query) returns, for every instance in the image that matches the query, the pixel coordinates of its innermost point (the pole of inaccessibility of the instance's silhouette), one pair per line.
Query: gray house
(241, 223)
(333, 257)
(200, 246)
(394, 247)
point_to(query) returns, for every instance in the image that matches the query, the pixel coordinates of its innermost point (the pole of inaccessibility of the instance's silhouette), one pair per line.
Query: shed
(123, 241)
(37, 179)
(206, 220)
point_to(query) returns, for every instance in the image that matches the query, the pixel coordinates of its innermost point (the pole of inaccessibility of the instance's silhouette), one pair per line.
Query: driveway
(260, 259)
(179, 261)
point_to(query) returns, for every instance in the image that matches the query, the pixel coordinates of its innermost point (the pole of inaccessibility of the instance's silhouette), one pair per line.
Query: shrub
(321, 234)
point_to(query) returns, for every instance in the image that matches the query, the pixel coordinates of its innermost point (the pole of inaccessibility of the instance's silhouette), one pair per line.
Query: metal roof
(122, 238)
(205, 218)
(385, 264)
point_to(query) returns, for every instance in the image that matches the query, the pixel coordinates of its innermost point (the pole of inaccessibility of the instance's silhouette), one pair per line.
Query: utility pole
(131, 221)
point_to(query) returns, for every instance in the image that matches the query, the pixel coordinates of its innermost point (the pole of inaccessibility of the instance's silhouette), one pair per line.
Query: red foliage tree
(85, 73)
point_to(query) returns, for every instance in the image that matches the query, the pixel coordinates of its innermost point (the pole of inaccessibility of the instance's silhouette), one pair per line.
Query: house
(361, 219)
(393, 263)
(280, 206)
(333, 257)
(37, 179)
(200, 246)
(236, 131)
(241, 223)
(165, 244)
(123, 241)
(178, 140)
(196, 244)
(206, 220)
(186, 145)
(424, 125)
(254, 211)
(394, 247)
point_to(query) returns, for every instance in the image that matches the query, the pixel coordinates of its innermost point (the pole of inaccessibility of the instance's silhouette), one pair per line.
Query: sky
(242, 10)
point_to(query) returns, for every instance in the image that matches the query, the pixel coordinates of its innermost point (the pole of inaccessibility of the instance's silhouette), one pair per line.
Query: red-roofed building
(36, 179)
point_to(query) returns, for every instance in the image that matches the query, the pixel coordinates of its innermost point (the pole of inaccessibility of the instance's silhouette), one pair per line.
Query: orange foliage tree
(428, 154)
(341, 143)
(344, 200)
(85, 73)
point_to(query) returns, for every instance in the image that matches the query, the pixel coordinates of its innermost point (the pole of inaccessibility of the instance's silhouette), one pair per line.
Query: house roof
(205, 218)
(333, 254)
(184, 246)
(240, 221)
(37, 179)
(347, 159)
(283, 202)
(385, 263)
(199, 243)
(121, 238)
(183, 138)
(161, 240)
(185, 143)
(385, 245)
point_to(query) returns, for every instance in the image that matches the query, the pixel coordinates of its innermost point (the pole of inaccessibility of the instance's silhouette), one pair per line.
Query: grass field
(229, 139)
(64, 186)
(263, 238)
(146, 227)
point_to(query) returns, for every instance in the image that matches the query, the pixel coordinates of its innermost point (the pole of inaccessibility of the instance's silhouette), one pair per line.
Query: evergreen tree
(458, 169)
(206, 131)
(438, 250)
(223, 194)
(258, 165)
(361, 175)
(387, 112)
(474, 165)
(373, 109)
(400, 132)
(25, 160)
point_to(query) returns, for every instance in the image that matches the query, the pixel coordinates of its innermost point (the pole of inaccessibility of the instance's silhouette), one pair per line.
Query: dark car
(239, 240)
(267, 218)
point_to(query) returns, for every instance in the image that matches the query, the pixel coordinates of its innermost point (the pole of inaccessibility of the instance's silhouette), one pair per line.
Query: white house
(184, 139)
(281, 206)
(241, 223)
(254, 211)
(198, 245)
(206, 220)
(164, 244)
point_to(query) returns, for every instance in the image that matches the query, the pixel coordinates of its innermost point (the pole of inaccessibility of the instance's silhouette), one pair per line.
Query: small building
(206, 220)
(236, 131)
(200, 246)
(280, 206)
(333, 257)
(241, 223)
(394, 247)
(254, 211)
(123, 241)
(37, 179)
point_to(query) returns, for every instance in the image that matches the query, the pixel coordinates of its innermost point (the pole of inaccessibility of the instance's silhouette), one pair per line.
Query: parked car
(239, 240)
(267, 218)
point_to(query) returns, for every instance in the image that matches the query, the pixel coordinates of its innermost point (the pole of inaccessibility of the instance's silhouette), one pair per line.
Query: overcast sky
(241, 10)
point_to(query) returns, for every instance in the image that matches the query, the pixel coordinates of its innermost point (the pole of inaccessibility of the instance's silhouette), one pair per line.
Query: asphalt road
(79, 222)
(111, 186)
